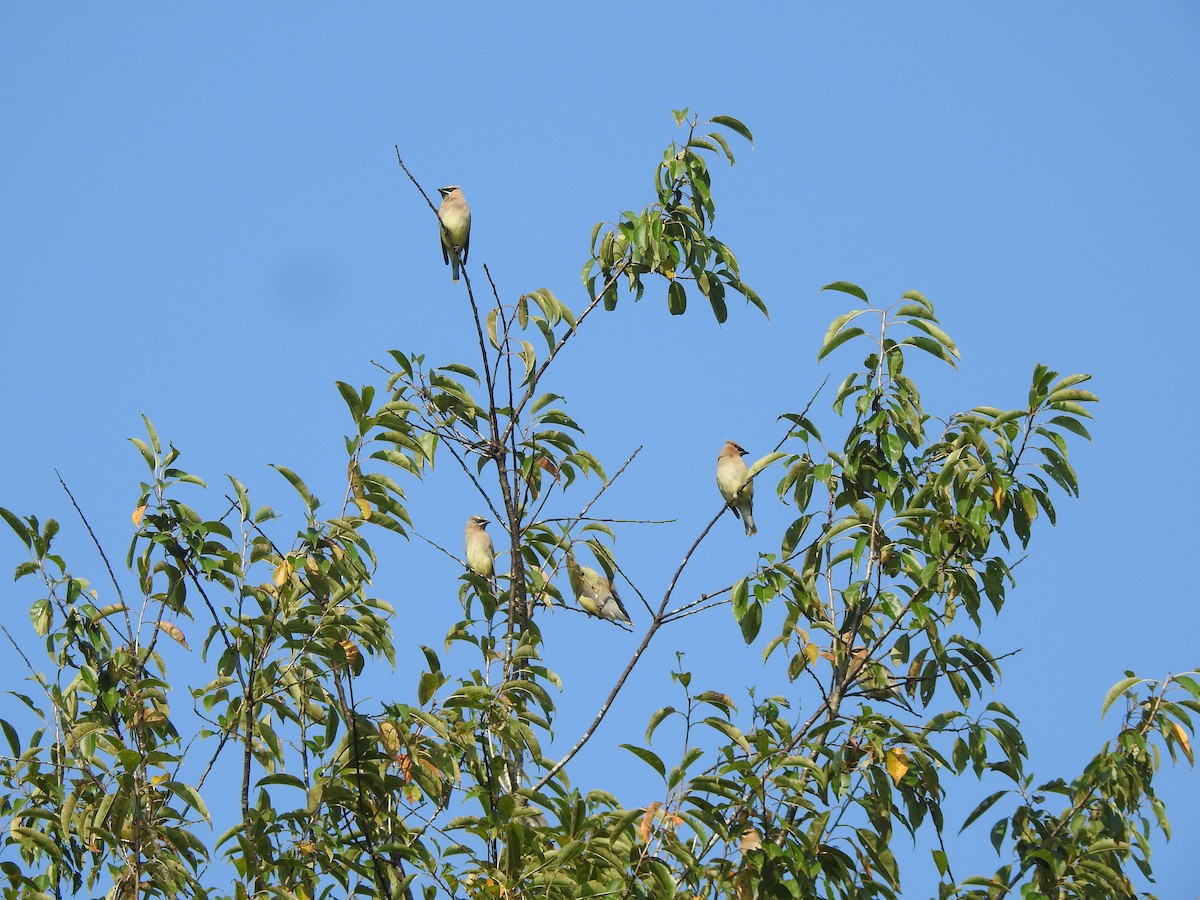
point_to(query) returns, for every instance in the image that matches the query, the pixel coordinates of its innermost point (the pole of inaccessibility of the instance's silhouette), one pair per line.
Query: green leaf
(847, 288)
(542, 402)
(676, 299)
(353, 401)
(746, 291)
(724, 145)
(459, 369)
(147, 453)
(310, 502)
(914, 310)
(937, 334)
(740, 598)
(929, 345)
(833, 343)
(152, 433)
(1116, 691)
(760, 464)
(751, 622)
(493, 337)
(29, 838)
(655, 720)
(1072, 395)
(41, 615)
(651, 759)
(242, 495)
(730, 731)
(190, 796)
(733, 125)
(403, 362)
(986, 804)
(716, 299)
(1071, 424)
(16, 525)
(918, 297)
(529, 357)
(14, 739)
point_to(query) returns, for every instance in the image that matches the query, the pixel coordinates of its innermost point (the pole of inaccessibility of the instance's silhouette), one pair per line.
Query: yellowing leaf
(137, 515)
(1182, 737)
(811, 653)
(389, 738)
(283, 572)
(896, 761)
(351, 651)
(364, 508)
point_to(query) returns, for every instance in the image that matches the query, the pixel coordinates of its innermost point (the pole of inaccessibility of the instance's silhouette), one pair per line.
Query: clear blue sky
(201, 218)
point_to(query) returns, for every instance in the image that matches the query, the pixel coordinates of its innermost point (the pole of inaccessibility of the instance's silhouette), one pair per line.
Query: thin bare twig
(100, 549)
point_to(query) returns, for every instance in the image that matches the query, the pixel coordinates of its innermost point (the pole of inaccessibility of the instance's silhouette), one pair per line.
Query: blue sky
(202, 219)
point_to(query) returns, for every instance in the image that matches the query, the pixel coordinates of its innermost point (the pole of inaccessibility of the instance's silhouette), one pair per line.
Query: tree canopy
(873, 602)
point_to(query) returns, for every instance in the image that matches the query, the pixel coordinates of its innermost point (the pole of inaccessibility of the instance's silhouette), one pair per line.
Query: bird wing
(619, 604)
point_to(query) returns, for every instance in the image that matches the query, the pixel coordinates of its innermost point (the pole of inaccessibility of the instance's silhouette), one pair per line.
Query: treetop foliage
(905, 527)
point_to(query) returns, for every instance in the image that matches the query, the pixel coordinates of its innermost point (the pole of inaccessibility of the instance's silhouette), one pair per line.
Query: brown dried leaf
(648, 818)
(172, 629)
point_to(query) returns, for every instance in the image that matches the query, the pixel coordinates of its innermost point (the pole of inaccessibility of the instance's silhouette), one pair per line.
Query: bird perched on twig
(875, 680)
(595, 593)
(481, 555)
(455, 215)
(733, 481)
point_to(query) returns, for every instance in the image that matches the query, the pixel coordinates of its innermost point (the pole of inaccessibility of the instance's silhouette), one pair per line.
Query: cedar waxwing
(731, 479)
(876, 680)
(455, 215)
(481, 555)
(595, 593)
(751, 839)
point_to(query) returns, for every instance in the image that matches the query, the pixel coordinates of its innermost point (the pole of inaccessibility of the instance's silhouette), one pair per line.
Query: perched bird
(481, 555)
(751, 839)
(595, 593)
(872, 677)
(732, 480)
(455, 215)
